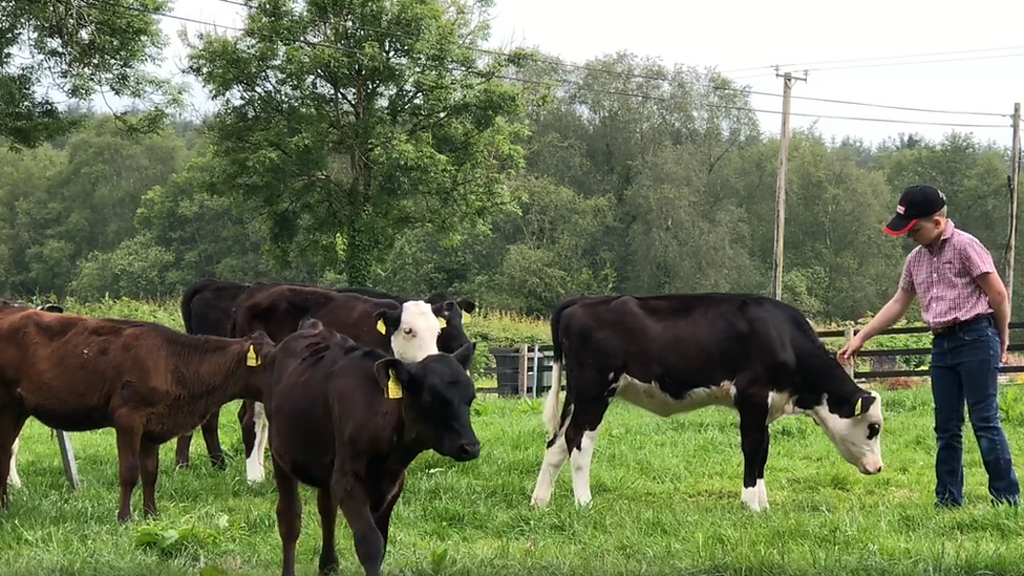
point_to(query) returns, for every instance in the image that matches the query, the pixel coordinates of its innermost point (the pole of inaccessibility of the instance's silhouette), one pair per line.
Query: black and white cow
(677, 353)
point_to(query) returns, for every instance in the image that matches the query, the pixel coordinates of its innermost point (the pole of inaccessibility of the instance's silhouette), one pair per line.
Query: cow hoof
(755, 498)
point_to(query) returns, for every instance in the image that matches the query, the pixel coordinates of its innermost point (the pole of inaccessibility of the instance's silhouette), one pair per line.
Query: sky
(904, 53)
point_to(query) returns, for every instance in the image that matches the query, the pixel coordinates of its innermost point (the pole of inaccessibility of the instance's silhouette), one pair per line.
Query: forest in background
(404, 157)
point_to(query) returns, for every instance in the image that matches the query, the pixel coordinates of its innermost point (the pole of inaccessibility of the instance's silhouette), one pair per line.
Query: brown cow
(368, 321)
(7, 306)
(147, 381)
(348, 420)
(207, 306)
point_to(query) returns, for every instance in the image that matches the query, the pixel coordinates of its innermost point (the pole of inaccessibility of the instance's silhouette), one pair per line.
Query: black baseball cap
(916, 202)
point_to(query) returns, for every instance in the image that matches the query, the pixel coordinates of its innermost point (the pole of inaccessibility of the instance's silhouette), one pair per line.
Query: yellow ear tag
(465, 317)
(442, 321)
(380, 325)
(394, 390)
(251, 359)
(856, 407)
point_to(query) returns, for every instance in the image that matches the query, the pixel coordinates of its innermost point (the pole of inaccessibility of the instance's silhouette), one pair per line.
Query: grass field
(666, 501)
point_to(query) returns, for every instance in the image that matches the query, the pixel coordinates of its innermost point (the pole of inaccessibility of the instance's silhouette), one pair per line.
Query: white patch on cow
(254, 471)
(416, 337)
(579, 461)
(12, 476)
(780, 404)
(755, 498)
(850, 435)
(554, 458)
(651, 398)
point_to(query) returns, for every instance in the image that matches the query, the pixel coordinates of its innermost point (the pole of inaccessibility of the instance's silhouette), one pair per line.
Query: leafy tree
(78, 48)
(361, 118)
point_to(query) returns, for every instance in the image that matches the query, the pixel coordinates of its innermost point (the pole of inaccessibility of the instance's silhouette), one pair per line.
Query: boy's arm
(983, 270)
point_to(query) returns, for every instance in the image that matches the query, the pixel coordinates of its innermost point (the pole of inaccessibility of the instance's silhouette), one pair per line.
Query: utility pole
(1014, 178)
(780, 184)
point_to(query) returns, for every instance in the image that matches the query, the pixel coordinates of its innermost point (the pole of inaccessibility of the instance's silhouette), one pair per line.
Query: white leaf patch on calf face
(856, 438)
(416, 337)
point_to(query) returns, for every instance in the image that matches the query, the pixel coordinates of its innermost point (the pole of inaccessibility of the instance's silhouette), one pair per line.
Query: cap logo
(900, 209)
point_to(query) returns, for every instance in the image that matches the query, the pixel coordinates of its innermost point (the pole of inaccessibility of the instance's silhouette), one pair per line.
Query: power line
(889, 106)
(548, 83)
(876, 58)
(636, 76)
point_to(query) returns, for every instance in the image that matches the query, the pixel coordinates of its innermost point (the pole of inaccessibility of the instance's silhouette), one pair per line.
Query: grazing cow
(681, 352)
(410, 331)
(348, 420)
(207, 306)
(5, 305)
(147, 381)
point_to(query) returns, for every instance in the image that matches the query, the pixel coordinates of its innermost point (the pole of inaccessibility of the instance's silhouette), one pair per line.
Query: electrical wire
(549, 83)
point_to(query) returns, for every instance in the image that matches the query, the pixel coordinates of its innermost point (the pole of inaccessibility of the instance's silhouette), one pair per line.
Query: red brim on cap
(898, 225)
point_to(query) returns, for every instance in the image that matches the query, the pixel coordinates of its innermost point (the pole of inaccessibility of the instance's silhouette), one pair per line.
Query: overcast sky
(975, 55)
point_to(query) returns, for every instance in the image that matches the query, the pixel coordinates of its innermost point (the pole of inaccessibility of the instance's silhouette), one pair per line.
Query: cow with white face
(677, 353)
(410, 331)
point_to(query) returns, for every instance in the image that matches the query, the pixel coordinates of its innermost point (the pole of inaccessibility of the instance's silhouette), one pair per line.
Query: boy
(965, 304)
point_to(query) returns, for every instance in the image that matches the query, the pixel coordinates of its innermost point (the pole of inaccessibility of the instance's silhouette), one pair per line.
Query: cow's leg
(753, 411)
(149, 459)
(579, 438)
(355, 505)
(254, 462)
(554, 457)
(211, 435)
(328, 518)
(128, 441)
(382, 517)
(10, 428)
(184, 443)
(245, 424)
(13, 478)
(289, 516)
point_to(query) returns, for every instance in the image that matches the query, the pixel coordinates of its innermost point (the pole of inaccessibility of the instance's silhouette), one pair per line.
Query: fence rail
(526, 370)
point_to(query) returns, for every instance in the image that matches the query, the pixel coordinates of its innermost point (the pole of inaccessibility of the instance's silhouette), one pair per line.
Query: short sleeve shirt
(944, 278)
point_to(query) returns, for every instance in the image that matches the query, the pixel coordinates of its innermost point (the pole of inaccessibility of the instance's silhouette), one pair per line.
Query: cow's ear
(55, 308)
(388, 320)
(863, 404)
(309, 323)
(467, 306)
(443, 311)
(259, 346)
(393, 376)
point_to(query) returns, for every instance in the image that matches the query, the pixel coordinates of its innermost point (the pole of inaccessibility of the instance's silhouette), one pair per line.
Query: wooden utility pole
(780, 184)
(1014, 178)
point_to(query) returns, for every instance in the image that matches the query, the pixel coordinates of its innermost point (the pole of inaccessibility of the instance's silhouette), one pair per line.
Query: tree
(365, 118)
(79, 48)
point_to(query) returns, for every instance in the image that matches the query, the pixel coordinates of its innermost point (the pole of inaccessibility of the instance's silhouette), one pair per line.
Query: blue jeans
(965, 361)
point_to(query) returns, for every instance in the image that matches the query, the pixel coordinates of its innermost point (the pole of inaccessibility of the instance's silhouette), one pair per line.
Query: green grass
(666, 501)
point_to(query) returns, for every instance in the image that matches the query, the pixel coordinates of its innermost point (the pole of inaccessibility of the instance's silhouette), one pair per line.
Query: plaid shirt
(944, 277)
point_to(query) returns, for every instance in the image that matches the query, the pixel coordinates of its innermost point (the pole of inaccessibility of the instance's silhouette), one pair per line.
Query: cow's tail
(550, 414)
(186, 301)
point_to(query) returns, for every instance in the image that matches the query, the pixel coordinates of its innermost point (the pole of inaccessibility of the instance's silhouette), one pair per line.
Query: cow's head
(437, 393)
(855, 427)
(256, 347)
(413, 328)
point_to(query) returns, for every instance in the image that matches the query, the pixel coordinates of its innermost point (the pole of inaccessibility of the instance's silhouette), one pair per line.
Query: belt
(957, 326)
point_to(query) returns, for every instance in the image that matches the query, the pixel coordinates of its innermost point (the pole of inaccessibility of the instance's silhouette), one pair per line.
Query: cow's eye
(874, 430)
(408, 331)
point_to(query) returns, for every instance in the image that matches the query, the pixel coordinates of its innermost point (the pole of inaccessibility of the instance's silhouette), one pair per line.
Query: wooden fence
(526, 370)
